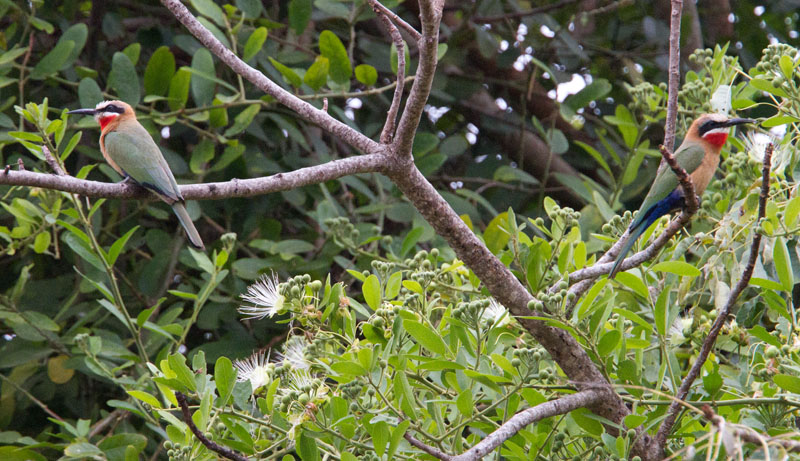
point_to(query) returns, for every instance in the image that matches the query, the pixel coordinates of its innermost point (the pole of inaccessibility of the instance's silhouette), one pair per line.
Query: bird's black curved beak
(738, 121)
(82, 112)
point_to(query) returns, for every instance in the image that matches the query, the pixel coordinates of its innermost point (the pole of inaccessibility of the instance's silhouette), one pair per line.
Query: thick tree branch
(387, 134)
(722, 317)
(257, 78)
(207, 191)
(502, 284)
(428, 45)
(516, 423)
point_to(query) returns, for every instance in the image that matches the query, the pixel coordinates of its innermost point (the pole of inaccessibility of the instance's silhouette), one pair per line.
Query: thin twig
(33, 399)
(713, 332)
(690, 198)
(210, 444)
(433, 451)
(48, 157)
(387, 134)
(428, 45)
(674, 73)
(748, 434)
(516, 423)
(408, 28)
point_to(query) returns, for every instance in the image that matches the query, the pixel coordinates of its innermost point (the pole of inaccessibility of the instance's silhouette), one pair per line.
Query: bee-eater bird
(699, 156)
(128, 148)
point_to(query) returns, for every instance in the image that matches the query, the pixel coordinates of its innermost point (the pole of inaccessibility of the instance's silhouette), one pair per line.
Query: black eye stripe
(708, 126)
(113, 108)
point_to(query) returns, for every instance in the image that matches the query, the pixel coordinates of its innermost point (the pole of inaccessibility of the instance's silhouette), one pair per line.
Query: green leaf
(251, 8)
(202, 154)
(787, 382)
(299, 15)
(464, 403)
(591, 92)
(380, 437)
(366, 74)
(778, 120)
(202, 87)
(53, 61)
(411, 240)
(608, 342)
(82, 450)
(77, 34)
(791, 212)
(625, 123)
(123, 79)
(634, 420)
(372, 292)
(332, 48)
(254, 43)
(634, 283)
(89, 93)
(307, 447)
(146, 398)
(177, 363)
(118, 245)
(42, 242)
(765, 85)
(288, 74)
(317, 75)
(210, 10)
(83, 250)
(677, 268)
(159, 71)
(133, 51)
(787, 66)
(426, 337)
(783, 265)
(397, 437)
(393, 57)
(179, 89)
(11, 55)
(243, 120)
(348, 368)
(73, 141)
(413, 286)
(225, 377)
(496, 235)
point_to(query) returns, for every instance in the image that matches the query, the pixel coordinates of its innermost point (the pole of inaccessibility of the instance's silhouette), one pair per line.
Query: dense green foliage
(105, 311)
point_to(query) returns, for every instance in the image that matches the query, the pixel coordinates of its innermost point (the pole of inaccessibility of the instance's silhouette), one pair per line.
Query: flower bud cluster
(343, 232)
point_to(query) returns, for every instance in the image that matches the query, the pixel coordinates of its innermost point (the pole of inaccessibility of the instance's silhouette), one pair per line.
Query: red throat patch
(717, 139)
(106, 120)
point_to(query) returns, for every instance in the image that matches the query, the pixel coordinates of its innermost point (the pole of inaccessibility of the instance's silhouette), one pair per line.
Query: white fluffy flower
(253, 369)
(756, 144)
(496, 313)
(294, 353)
(265, 296)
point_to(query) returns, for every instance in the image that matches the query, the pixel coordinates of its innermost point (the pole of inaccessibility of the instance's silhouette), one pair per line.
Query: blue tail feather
(672, 201)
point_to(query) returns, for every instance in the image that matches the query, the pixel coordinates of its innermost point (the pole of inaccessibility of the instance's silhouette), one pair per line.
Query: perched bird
(699, 156)
(129, 149)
